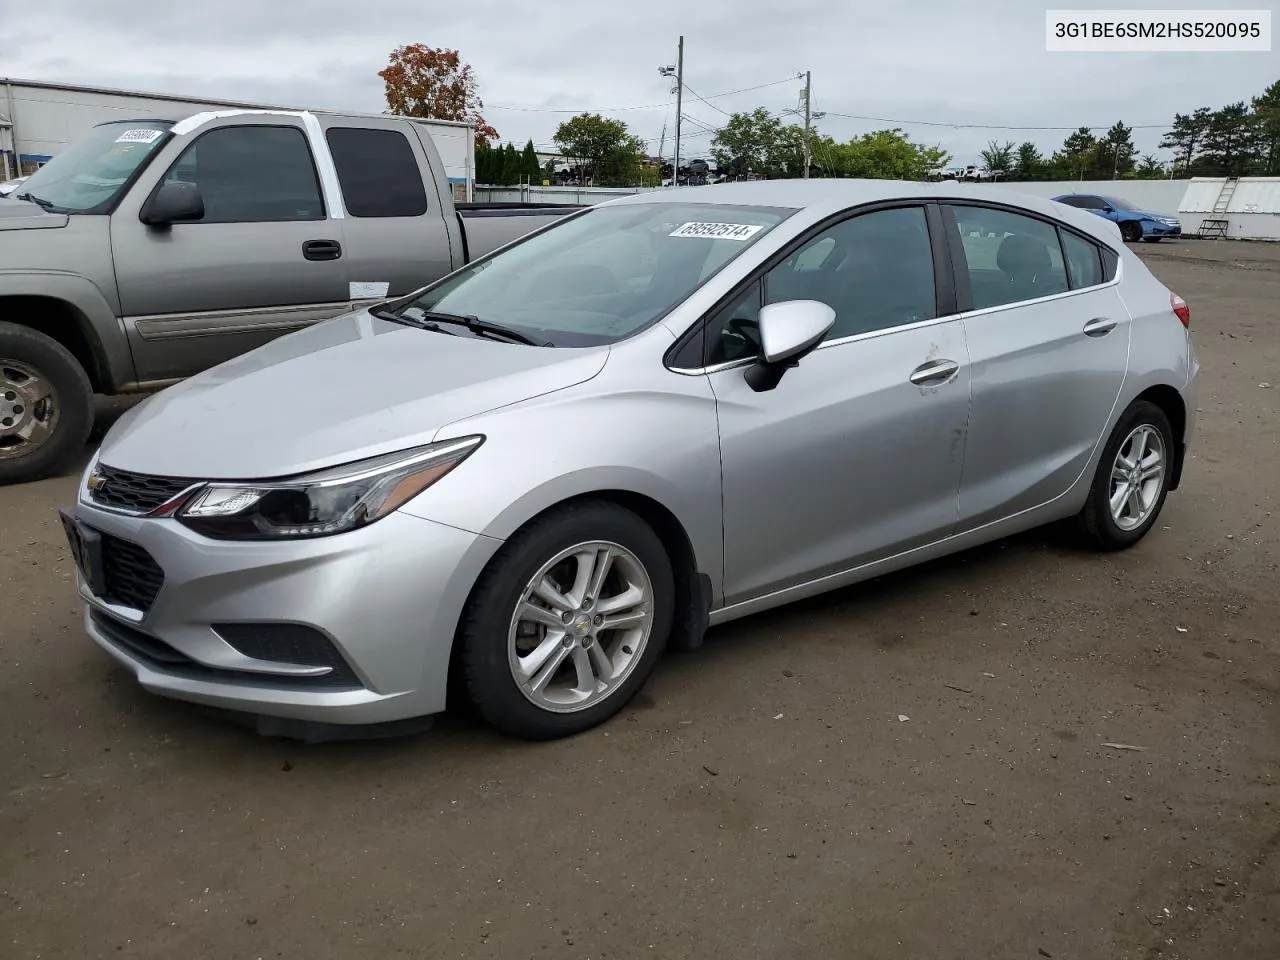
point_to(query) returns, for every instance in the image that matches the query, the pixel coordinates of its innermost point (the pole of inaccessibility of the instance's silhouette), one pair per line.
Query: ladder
(1225, 195)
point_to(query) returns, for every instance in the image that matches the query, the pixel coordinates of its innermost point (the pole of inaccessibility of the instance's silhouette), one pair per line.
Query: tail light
(1181, 309)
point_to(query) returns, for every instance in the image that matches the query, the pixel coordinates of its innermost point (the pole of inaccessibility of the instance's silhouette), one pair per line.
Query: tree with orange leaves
(435, 84)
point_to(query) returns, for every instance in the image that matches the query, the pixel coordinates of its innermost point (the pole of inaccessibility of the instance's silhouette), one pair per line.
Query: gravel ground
(765, 797)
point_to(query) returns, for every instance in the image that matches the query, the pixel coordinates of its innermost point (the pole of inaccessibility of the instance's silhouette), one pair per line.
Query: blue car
(1134, 224)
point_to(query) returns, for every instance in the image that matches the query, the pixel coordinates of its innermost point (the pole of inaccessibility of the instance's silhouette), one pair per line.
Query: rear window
(1084, 260)
(378, 173)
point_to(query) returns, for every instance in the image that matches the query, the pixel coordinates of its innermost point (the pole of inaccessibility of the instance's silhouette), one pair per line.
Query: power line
(645, 106)
(986, 126)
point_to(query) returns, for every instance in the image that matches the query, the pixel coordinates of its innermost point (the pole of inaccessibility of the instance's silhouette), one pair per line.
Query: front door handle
(1099, 327)
(934, 373)
(322, 250)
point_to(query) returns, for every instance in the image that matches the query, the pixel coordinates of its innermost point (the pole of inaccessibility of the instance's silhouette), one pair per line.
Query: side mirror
(1108, 209)
(173, 201)
(788, 331)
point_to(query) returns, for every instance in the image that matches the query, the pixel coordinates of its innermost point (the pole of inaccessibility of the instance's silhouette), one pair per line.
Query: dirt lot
(763, 799)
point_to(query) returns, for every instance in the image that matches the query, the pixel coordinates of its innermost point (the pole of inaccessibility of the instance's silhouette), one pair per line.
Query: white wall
(1154, 196)
(47, 119)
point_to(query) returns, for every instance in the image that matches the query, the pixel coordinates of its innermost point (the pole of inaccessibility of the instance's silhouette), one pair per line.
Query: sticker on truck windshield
(717, 231)
(140, 136)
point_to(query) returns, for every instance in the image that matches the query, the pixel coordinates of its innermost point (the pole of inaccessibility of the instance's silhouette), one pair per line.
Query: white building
(39, 119)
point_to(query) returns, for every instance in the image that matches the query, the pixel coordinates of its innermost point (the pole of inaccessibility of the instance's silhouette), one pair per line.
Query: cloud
(980, 62)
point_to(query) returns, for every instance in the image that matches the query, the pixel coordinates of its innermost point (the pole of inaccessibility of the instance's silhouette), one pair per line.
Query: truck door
(397, 237)
(267, 256)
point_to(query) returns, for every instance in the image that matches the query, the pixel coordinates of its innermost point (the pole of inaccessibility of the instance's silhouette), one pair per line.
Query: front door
(856, 455)
(1049, 341)
(266, 257)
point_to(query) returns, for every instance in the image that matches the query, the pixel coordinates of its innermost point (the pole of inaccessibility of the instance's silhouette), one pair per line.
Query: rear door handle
(934, 373)
(1099, 327)
(322, 250)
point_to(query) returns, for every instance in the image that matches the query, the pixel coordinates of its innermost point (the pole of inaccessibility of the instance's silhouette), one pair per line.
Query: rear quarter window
(378, 172)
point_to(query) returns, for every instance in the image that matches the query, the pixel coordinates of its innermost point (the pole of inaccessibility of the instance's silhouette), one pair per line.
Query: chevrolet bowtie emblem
(95, 482)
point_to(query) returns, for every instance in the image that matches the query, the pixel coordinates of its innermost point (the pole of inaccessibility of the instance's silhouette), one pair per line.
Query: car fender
(94, 317)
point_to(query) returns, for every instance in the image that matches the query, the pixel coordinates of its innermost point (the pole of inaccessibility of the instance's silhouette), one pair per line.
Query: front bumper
(378, 605)
(1152, 228)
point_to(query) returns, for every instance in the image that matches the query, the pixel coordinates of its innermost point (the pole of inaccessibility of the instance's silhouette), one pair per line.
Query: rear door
(266, 257)
(1048, 339)
(397, 238)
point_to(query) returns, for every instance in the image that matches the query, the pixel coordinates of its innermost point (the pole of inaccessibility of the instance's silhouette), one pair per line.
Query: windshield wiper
(481, 328)
(47, 204)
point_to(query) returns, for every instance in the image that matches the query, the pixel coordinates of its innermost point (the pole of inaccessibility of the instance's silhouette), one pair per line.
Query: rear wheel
(1131, 231)
(1132, 481)
(567, 622)
(46, 405)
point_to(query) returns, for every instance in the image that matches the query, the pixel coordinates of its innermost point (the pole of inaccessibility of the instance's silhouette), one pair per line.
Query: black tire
(1095, 521)
(483, 632)
(1131, 231)
(73, 398)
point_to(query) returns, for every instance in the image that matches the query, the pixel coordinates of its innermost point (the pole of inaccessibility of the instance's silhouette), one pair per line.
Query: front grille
(160, 656)
(131, 576)
(134, 492)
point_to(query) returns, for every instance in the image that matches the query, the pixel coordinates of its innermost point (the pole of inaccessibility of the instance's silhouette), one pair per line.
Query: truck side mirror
(171, 202)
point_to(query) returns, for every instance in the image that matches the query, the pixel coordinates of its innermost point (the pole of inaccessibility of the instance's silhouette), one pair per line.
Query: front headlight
(323, 503)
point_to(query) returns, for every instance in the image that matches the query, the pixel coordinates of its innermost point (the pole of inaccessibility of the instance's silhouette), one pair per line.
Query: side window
(874, 269)
(1010, 257)
(252, 174)
(1075, 202)
(1083, 259)
(378, 172)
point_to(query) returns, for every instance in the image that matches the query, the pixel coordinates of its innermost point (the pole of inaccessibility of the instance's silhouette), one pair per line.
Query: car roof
(825, 197)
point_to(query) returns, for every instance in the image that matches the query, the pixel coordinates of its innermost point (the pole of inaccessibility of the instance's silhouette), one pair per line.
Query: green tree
(1186, 137)
(1114, 156)
(1266, 110)
(602, 145)
(749, 143)
(1029, 164)
(888, 155)
(1077, 156)
(1232, 144)
(999, 158)
(1149, 168)
(484, 162)
(530, 169)
(510, 165)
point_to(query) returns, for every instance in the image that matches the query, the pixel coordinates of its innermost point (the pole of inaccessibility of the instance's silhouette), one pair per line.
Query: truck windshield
(603, 275)
(89, 175)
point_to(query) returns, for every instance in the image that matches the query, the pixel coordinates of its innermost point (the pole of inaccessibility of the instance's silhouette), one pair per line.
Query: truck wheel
(46, 405)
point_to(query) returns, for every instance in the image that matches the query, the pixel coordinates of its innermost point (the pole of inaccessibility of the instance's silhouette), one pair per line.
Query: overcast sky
(952, 62)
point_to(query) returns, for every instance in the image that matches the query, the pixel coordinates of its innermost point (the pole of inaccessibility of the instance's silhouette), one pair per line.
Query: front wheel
(567, 621)
(1131, 231)
(46, 405)
(1132, 481)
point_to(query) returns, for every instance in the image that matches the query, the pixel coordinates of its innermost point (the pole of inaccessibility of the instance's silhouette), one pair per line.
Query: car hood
(24, 215)
(1148, 215)
(345, 389)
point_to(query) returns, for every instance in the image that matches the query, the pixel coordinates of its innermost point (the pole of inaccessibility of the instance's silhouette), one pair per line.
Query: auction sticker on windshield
(140, 136)
(717, 231)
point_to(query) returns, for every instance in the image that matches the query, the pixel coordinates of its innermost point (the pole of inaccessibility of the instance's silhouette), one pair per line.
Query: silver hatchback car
(665, 412)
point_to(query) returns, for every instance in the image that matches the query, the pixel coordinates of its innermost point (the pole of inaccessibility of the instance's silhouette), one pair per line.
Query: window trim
(945, 299)
(417, 169)
(964, 290)
(307, 143)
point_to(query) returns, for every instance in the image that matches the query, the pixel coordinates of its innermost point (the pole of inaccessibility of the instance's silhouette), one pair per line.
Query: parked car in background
(1135, 224)
(153, 249)
(8, 186)
(669, 410)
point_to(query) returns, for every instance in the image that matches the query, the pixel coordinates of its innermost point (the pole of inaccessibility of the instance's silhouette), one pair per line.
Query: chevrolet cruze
(664, 412)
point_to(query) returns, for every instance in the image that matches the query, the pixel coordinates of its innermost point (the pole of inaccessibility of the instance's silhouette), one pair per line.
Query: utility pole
(678, 72)
(675, 171)
(808, 103)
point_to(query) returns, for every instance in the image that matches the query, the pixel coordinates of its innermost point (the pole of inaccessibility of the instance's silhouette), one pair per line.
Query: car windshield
(89, 175)
(1118, 203)
(601, 276)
